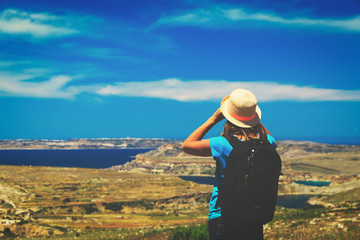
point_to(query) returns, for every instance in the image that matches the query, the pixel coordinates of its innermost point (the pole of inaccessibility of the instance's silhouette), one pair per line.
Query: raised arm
(194, 144)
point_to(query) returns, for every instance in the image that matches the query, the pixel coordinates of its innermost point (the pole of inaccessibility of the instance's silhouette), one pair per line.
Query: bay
(293, 201)
(314, 183)
(84, 158)
(288, 201)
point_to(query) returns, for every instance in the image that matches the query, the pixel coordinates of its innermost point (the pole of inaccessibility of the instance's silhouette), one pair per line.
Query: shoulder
(218, 145)
(271, 140)
(217, 140)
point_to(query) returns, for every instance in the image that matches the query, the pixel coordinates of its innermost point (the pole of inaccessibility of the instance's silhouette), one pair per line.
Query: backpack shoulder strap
(235, 143)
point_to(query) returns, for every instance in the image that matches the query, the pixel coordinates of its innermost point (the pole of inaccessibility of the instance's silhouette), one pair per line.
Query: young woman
(243, 121)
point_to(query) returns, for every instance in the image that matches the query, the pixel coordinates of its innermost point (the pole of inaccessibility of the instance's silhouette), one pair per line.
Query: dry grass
(70, 199)
(340, 163)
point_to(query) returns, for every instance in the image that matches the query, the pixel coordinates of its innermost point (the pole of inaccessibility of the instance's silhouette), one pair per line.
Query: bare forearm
(201, 131)
(194, 144)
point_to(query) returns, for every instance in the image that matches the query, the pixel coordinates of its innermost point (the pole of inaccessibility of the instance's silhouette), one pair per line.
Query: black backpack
(248, 191)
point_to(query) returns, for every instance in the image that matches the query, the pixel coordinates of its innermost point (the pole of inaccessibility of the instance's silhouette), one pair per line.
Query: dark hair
(257, 131)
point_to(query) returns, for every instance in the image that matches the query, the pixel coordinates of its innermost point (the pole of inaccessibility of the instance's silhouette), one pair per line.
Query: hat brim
(244, 124)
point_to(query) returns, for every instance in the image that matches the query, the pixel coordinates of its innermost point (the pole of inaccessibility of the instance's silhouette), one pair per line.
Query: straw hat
(241, 108)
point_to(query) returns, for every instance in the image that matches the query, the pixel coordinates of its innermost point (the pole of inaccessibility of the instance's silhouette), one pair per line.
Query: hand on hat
(218, 116)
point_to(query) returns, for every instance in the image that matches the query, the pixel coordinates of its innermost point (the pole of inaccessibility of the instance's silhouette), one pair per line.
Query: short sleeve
(216, 146)
(271, 140)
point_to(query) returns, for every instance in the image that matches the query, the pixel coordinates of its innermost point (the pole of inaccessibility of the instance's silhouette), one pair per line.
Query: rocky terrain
(169, 159)
(69, 202)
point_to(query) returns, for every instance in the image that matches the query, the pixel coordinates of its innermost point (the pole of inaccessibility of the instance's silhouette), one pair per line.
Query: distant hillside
(169, 158)
(286, 149)
(85, 143)
(289, 148)
(350, 197)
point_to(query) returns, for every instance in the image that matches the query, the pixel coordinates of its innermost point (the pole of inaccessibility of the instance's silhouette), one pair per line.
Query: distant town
(85, 143)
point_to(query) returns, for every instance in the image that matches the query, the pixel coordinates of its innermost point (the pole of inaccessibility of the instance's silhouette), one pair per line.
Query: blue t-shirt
(220, 150)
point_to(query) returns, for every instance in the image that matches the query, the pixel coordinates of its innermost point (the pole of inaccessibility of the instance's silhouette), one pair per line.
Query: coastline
(102, 143)
(145, 143)
(21, 149)
(302, 161)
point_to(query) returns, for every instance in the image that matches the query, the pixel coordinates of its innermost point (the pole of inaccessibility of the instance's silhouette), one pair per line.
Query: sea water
(314, 183)
(85, 158)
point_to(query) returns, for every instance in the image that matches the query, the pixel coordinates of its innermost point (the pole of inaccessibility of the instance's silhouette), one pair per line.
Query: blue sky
(89, 69)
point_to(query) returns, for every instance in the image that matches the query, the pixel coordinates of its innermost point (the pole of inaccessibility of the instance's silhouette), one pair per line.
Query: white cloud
(39, 25)
(226, 16)
(167, 89)
(215, 90)
(18, 85)
(24, 85)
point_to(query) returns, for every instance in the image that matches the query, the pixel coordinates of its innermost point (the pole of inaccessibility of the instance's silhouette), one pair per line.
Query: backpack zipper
(250, 162)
